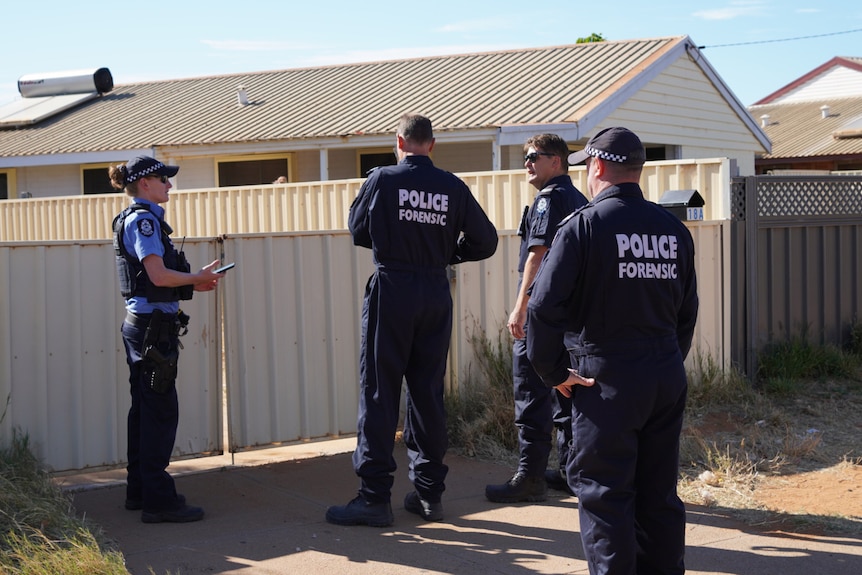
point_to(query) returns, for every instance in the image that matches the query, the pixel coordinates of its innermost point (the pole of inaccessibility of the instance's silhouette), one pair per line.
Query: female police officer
(154, 276)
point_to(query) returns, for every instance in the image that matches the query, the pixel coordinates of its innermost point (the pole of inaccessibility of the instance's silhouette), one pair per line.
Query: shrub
(482, 412)
(783, 365)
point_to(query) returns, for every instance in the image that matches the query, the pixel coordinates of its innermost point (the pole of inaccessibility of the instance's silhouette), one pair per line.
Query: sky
(755, 46)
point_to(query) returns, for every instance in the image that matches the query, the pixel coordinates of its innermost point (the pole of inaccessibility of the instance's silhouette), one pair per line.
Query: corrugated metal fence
(284, 325)
(276, 347)
(63, 374)
(315, 206)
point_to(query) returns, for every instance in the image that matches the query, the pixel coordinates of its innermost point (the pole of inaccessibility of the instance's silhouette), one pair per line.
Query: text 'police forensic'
(647, 256)
(422, 207)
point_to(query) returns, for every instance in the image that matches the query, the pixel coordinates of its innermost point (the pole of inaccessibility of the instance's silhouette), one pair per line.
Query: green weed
(783, 364)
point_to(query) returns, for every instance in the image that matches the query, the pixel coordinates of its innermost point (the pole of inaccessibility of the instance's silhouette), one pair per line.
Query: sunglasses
(533, 156)
(163, 179)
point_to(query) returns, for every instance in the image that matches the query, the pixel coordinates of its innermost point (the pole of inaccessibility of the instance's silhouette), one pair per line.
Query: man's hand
(574, 379)
(516, 322)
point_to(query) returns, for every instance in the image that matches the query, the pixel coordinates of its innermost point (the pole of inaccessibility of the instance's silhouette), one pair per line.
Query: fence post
(751, 272)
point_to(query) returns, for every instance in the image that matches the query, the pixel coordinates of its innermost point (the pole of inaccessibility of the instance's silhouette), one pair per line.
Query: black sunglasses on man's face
(533, 156)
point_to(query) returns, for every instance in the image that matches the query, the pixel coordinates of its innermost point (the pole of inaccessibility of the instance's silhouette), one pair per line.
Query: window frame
(11, 183)
(373, 151)
(98, 166)
(289, 157)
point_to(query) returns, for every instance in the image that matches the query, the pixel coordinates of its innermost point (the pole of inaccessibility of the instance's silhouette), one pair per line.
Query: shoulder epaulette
(546, 190)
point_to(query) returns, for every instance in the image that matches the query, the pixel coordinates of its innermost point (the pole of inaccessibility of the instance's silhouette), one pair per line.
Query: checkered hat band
(145, 172)
(596, 153)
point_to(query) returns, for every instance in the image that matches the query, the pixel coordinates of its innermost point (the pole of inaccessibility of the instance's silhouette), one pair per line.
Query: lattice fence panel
(737, 199)
(815, 196)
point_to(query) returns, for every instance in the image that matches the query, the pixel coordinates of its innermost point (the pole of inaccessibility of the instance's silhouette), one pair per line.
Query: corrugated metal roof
(799, 130)
(461, 92)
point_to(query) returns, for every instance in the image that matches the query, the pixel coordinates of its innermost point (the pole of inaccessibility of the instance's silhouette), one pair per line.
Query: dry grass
(33, 553)
(736, 445)
(481, 414)
(39, 533)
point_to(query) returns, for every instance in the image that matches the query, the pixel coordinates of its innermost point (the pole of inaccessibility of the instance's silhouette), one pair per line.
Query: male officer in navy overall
(538, 408)
(621, 277)
(417, 219)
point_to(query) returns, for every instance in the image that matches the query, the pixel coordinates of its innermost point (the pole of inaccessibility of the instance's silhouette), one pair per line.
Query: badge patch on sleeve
(145, 226)
(542, 205)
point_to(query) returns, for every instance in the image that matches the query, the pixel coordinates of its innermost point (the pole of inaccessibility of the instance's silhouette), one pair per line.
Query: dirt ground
(797, 457)
(835, 490)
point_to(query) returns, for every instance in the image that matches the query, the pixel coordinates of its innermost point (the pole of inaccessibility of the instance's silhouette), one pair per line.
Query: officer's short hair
(550, 144)
(415, 128)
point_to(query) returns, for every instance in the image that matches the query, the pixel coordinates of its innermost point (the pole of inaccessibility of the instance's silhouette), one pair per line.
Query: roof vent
(824, 111)
(242, 96)
(764, 120)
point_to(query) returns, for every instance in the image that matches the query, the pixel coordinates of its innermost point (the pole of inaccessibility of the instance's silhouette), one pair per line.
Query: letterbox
(687, 205)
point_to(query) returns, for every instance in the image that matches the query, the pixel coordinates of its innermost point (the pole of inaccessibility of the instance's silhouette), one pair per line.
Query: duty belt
(142, 320)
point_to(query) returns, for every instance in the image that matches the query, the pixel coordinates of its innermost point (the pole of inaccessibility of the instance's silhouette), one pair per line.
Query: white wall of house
(49, 181)
(681, 107)
(306, 166)
(342, 164)
(838, 82)
(195, 173)
(463, 156)
(511, 157)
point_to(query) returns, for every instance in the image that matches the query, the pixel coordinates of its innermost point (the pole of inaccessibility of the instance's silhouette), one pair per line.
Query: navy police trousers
(406, 325)
(538, 409)
(152, 429)
(625, 462)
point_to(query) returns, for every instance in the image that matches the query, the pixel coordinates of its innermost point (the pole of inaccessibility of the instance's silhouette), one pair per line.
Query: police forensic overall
(412, 216)
(621, 276)
(151, 330)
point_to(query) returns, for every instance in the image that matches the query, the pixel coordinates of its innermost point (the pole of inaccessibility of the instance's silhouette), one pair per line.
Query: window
(253, 171)
(95, 180)
(656, 153)
(369, 159)
(7, 185)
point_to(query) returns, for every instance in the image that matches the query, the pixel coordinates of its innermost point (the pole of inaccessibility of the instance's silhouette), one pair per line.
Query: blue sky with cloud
(756, 46)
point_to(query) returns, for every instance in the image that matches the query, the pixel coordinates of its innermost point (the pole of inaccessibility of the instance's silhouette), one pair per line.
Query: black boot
(518, 488)
(182, 514)
(424, 509)
(361, 512)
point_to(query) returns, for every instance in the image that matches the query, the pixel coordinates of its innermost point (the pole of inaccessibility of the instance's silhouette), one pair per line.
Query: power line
(781, 40)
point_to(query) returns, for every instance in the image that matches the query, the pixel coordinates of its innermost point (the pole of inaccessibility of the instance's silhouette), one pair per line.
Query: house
(814, 122)
(336, 122)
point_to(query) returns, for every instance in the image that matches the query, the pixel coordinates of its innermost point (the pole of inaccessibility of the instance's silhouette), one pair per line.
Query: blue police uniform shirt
(556, 200)
(620, 273)
(142, 236)
(412, 214)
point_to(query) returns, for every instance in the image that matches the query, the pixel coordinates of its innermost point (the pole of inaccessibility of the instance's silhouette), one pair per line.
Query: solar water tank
(69, 82)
